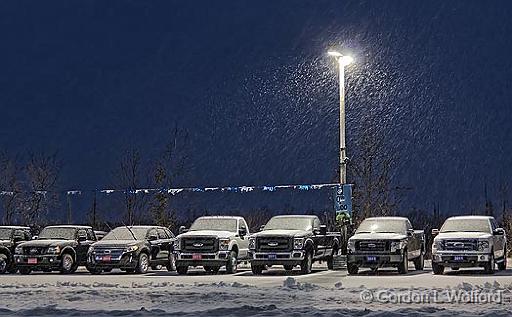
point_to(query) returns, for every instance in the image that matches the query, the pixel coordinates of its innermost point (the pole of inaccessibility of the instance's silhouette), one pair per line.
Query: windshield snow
(215, 224)
(5, 233)
(466, 225)
(290, 223)
(60, 233)
(122, 233)
(382, 226)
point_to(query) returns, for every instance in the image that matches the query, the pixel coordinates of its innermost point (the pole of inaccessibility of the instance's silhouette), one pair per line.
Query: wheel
(489, 266)
(171, 265)
(142, 264)
(156, 267)
(403, 268)
(94, 270)
(257, 269)
(67, 264)
(182, 270)
(419, 262)
(288, 267)
(307, 263)
(4, 263)
(352, 269)
(232, 265)
(25, 270)
(437, 268)
(330, 260)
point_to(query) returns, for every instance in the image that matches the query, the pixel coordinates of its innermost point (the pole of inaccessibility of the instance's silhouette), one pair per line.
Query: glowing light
(344, 60)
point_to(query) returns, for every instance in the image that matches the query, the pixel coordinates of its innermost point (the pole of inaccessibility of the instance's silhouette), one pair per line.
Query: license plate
(197, 257)
(106, 258)
(458, 258)
(272, 256)
(371, 258)
(32, 261)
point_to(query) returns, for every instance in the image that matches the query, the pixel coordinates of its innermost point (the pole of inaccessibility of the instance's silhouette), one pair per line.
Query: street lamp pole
(343, 60)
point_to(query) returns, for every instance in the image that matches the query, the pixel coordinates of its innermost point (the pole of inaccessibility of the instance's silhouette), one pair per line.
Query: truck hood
(208, 233)
(47, 243)
(464, 235)
(281, 233)
(378, 236)
(117, 243)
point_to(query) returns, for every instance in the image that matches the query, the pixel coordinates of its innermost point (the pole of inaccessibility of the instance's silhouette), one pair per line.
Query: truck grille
(200, 244)
(113, 252)
(372, 245)
(274, 244)
(461, 245)
(34, 250)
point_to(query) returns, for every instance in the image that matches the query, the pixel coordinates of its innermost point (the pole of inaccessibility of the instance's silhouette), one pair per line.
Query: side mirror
(182, 230)
(499, 232)
(82, 238)
(323, 230)
(435, 232)
(242, 232)
(262, 227)
(35, 237)
(152, 238)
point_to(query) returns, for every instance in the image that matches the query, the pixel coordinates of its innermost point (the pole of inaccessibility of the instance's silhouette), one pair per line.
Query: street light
(343, 60)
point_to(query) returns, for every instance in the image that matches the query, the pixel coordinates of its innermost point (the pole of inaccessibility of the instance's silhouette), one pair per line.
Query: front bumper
(459, 259)
(375, 260)
(46, 261)
(280, 258)
(219, 258)
(125, 261)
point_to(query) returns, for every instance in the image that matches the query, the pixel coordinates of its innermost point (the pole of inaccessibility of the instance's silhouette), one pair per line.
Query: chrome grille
(461, 245)
(274, 244)
(113, 252)
(372, 245)
(34, 250)
(200, 244)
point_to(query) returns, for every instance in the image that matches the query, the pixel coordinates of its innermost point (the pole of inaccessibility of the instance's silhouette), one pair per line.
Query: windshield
(5, 233)
(466, 225)
(215, 224)
(382, 226)
(290, 223)
(122, 233)
(58, 233)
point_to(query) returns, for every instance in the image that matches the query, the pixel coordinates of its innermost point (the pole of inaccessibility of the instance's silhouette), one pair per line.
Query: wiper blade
(133, 235)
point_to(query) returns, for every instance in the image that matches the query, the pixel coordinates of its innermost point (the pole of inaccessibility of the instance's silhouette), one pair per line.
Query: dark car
(10, 237)
(132, 249)
(57, 248)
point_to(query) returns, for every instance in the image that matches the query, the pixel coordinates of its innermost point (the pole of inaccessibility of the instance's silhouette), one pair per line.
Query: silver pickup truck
(212, 242)
(469, 241)
(386, 242)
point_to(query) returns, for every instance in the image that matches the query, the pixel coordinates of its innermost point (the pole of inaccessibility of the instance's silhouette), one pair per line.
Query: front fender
(69, 249)
(5, 251)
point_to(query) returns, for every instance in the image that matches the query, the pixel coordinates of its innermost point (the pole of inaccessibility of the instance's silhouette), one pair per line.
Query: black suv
(57, 248)
(132, 249)
(10, 237)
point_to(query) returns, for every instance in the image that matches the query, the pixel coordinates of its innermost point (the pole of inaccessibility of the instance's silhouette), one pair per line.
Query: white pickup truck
(469, 241)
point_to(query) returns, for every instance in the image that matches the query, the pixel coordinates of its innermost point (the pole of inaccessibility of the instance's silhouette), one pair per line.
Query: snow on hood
(378, 236)
(201, 233)
(463, 235)
(46, 243)
(116, 243)
(287, 233)
(5, 242)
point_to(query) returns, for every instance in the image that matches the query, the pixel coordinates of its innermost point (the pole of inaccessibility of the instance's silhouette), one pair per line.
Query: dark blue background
(252, 84)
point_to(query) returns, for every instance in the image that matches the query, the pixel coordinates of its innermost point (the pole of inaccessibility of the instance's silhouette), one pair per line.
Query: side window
(19, 234)
(408, 225)
(493, 224)
(27, 235)
(162, 234)
(316, 223)
(90, 235)
(243, 224)
(169, 233)
(152, 232)
(81, 233)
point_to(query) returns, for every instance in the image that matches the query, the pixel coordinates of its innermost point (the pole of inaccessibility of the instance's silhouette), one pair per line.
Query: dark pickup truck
(10, 237)
(132, 249)
(386, 242)
(57, 248)
(290, 241)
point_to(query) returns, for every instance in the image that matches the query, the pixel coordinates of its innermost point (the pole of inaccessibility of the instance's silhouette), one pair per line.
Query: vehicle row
(213, 242)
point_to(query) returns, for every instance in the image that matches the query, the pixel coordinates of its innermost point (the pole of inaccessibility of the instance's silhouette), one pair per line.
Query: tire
(257, 269)
(232, 265)
(403, 268)
(142, 264)
(437, 269)
(307, 263)
(67, 264)
(25, 270)
(489, 266)
(352, 268)
(4, 263)
(182, 270)
(419, 262)
(288, 267)
(330, 260)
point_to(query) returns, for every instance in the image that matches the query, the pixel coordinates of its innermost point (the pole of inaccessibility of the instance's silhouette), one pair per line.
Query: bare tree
(41, 174)
(10, 184)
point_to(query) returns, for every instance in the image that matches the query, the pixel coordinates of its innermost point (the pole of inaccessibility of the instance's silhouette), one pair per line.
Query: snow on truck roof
(387, 218)
(471, 217)
(15, 227)
(69, 226)
(222, 217)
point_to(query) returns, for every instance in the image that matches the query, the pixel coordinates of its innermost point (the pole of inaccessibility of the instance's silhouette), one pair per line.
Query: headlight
(483, 245)
(18, 250)
(397, 245)
(351, 245)
(438, 245)
(223, 244)
(53, 250)
(177, 244)
(298, 243)
(252, 243)
(132, 248)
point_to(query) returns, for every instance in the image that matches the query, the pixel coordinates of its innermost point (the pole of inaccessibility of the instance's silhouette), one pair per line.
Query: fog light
(482, 257)
(51, 260)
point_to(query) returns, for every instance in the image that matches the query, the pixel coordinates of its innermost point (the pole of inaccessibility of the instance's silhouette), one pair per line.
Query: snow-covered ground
(323, 293)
